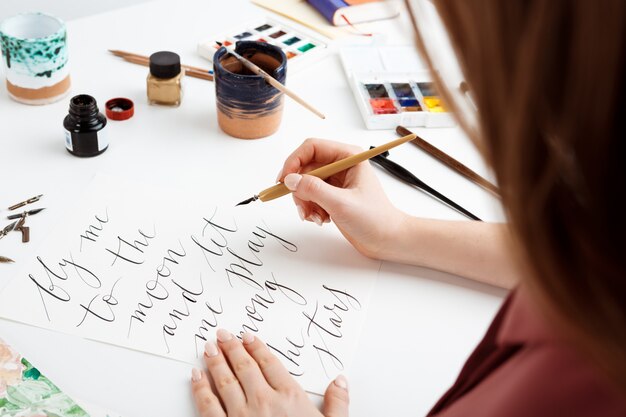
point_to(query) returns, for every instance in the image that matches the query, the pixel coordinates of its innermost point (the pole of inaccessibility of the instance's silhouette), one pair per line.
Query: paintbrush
(450, 162)
(326, 171)
(195, 72)
(4, 260)
(271, 80)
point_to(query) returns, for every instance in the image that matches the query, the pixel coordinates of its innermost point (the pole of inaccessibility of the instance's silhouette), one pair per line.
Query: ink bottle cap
(119, 108)
(164, 83)
(164, 64)
(83, 127)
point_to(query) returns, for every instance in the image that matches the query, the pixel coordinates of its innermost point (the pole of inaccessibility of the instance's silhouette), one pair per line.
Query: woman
(547, 79)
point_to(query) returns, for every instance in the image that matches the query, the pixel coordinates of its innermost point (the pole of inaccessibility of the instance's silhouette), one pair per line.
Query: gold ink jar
(164, 80)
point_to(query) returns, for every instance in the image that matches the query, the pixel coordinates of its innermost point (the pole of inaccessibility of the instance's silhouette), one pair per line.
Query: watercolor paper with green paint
(26, 392)
(159, 270)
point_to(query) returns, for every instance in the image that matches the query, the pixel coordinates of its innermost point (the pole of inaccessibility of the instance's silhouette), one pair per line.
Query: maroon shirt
(523, 368)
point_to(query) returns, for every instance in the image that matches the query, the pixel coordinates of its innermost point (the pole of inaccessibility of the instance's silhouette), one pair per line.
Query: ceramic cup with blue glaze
(34, 56)
(247, 106)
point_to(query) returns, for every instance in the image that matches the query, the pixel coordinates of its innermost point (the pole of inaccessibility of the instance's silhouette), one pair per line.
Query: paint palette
(393, 87)
(298, 45)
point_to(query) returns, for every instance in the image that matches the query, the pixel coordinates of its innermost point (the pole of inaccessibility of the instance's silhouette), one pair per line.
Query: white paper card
(150, 270)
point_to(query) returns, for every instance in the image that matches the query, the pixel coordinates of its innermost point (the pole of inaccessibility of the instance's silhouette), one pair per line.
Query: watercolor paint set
(393, 87)
(299, 45)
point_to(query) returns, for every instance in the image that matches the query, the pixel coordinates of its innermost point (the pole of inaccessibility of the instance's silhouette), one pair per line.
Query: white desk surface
(422, 324)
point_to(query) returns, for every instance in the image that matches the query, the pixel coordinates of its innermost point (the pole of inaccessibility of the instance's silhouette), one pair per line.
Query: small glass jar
(164, 80)
(84, 134)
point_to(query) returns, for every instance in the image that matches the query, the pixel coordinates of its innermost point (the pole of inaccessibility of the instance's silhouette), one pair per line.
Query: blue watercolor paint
(408, 102)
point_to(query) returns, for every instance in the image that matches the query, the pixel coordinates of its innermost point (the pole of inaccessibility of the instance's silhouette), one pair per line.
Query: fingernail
(327, 220)
(280, 174)
(210, 349)
(247, 338)
(196, 375)
(341, 382)
(301, 213)
(224, 335)
(292, 181)
(317, 219)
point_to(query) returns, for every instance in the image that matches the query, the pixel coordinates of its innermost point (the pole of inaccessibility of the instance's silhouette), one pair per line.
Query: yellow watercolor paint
(434, 104)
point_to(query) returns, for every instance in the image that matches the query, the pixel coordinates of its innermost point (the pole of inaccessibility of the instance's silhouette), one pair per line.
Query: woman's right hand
(353, 199)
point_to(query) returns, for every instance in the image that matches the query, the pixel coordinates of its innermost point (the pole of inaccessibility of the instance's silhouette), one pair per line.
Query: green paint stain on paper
(32, 373)
(33, 393)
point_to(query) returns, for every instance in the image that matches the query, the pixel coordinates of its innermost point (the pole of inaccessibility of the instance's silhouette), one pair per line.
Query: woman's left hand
(249, 380)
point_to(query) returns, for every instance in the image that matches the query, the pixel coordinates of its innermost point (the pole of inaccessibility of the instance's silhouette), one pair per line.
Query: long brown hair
(548, 79)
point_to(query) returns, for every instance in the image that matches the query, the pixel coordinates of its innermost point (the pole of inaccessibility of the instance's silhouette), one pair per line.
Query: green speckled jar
(34, 57)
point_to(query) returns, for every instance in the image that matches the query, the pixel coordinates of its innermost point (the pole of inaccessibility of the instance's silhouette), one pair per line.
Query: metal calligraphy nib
(26, 213)
(26, 202)
(248, 201)
(7, 229)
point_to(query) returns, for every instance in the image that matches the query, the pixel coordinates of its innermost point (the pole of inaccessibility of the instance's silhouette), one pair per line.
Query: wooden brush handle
(326, 171)
(274, 82)
(189, 70)
(450, 162)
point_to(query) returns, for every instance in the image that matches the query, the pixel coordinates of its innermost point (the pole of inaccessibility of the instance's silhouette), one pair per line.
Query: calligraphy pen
(406, 176)
(326, 171)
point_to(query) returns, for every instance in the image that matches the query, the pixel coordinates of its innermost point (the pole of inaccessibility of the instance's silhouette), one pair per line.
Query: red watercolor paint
(383, 106)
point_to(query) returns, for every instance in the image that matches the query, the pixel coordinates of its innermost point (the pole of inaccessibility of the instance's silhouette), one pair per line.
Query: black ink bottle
(83, 127)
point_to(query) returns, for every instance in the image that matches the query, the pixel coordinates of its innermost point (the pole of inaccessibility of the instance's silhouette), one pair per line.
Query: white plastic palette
(392, 87)
(299, 45)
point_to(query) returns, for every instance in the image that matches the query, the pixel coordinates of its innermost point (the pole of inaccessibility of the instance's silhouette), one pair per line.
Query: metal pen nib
(26, 202)
(248, 201)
